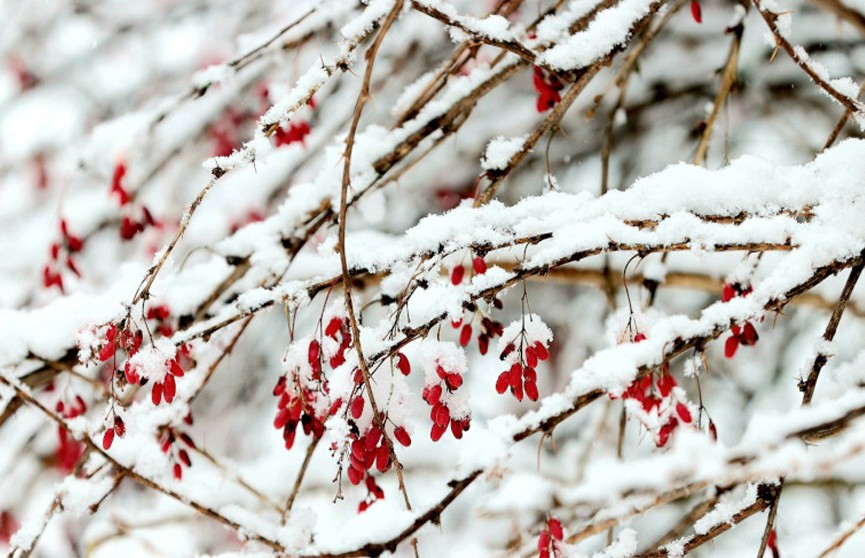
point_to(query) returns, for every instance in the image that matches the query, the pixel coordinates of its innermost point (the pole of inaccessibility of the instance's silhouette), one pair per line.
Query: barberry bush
(431, 278)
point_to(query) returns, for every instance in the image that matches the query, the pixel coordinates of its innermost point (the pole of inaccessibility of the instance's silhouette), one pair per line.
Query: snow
(611, 28)
(768, 209)
(500, 151)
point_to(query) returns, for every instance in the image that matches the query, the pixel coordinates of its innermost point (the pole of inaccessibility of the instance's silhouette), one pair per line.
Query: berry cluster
(374, 492)
(227, 132)
(296, 407)
(177, 454)
(440, 413)
(133, 219)
(303, 390)
(368, 450)
(62, 252)
(69, 449)
(659, 403)
(118, 427)
(489, 329)
(528, 345)
(161, 362)
(295, 133)
(550, 539)
(547, 86)
(740, 335)
(338, 331)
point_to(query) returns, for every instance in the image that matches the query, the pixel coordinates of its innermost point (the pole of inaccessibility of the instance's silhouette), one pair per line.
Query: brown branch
(145, 481)
(771, 18)
(697, 540)
(660, 500)
(362, 98)
(698, 511)
(679, 346)
(310, 450)
(810, 383)
(496, 177)
(842, 538)
(836, 131)
(583, 77)
(513, 46)
(728, 80)
(770, 521)
(432, 515)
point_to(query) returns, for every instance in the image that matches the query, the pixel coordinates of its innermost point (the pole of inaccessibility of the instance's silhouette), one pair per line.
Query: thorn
(774, 53)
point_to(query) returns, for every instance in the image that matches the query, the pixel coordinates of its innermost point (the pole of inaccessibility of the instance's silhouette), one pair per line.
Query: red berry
(289, 434)
(175, 368)
(442, 415)
(541, 351)
(515, 375)
(403, 364)
(178, 472)
(107, 352)
(555, 528)
(281, 419)
(358, 449)
(437, 432)
(683, 412)
(129, 228)
(107, 439)
(357, 407)
(457, 429)
(119, 426)
(170, 388)
(332, 327)
(184, 457)
(730, 346)
(772, 543)
(372, 438)
(696, 11)
(666, 430)
(479, 265)
(279, 389)
(666, 384)
(358, 463)
(184, 437)
(454, 381)
(531, 390)
(466, 335)
(457, 274)
(502, 382)
(434, 395)
(156, 393)
(749, 334)
(354, 475)
(531, 357)
(544, 541)
(382, 458)
(313, 352)
(402, 436)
